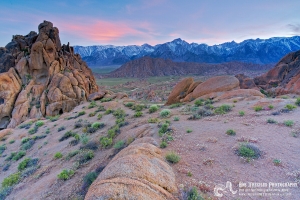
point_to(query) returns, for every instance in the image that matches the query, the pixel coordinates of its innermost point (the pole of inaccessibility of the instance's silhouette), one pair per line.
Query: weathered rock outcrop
(137, 172)
(246, 82)
(42, 77)
(180, 91)
(284, 77)
(218, 88)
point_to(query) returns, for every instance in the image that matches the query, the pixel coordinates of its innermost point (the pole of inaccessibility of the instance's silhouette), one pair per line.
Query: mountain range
(258, 51)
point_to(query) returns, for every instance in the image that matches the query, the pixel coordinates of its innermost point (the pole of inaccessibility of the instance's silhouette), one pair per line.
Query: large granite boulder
(137, 172)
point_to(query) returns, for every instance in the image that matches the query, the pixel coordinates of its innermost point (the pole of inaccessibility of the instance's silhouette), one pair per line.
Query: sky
(129, 22)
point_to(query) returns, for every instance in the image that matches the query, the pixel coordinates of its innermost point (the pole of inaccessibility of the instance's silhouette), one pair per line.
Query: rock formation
(219, 87)
(246, 82)
(137, 172)
(284, 77)
(41, 77)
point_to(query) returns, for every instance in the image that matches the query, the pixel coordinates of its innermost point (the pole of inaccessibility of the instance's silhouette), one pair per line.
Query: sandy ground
(207, 152)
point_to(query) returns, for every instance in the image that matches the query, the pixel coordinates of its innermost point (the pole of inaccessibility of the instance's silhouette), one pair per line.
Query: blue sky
(125, 22)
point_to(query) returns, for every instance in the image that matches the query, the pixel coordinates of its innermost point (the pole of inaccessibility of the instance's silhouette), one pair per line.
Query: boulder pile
(40, 77)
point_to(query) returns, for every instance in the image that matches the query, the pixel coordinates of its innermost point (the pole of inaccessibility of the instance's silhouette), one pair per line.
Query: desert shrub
(119, 113)
(81, 113)
(58, 155)
(61, 128)
(194, 117)
(5, 191)
(27, 163)
(270, 106)
(241, 113)
(277, 162)
(72, 154)
(91, 145)
(84, 139)
(26, 126)
(73, 142)
(99, 116)
(163, 144)
(105, 142)
(290, 106)
(138, 114)
(129, 104)
(97, 125)
(67, 135)
(288, 122)
(29, 171)
(105, 99)
(175, 105)
(85, 156)
(172, 157)
(11, 180)
(100, 108)
(108, 111)
(165, 113)
(223, 109)
(65, 174)
(199, 102)
(47, 131)
(19, 155)
(258, 108)
(153, 120)
(33, 130)
(113, 131)
(39, 123)
(88, 179)
(192, 194)
(297, 102)
(92, 105)
(248, 150)
(230, 132)
(53, 118)
(27, 143)
(208, 101)
(138, 107)
(176, 118)
(90, 130)
(153, 108)
(271, 121)
(2, 148)
(6, 167)
(163, 129)
(189, 131)
(120, 144)
(92, 114)
(78, 124)
(204, 112)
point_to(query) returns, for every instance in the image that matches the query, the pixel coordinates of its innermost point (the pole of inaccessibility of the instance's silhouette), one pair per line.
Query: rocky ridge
(147, 67)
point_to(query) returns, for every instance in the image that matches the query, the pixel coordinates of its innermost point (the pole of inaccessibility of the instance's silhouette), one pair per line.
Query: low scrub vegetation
(165, 113)
(172, 157)
(65, 174)
(153, 108)
(248, 150)
(230, 132)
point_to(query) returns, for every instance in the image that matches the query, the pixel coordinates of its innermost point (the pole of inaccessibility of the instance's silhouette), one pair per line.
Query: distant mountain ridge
(259, 51)
(147, 67)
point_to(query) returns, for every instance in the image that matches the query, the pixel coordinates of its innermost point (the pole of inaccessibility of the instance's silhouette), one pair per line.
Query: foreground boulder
(137, 172)
(46, 78)
(284, 78)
